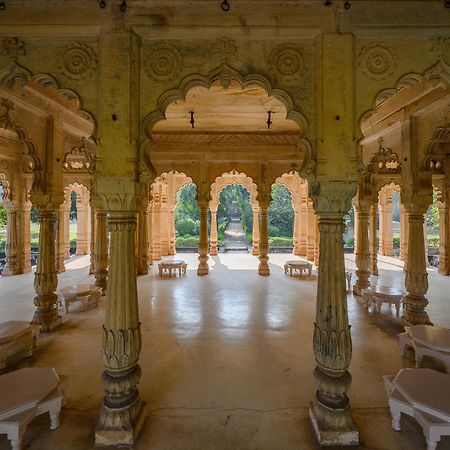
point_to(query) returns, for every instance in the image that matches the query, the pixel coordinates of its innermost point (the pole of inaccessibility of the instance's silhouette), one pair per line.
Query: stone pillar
(172, 250)
(362, 249)
(295, 236)
(67, 228)
(82, 223)
(122, 413)
(444, 238)
(45, 278)
(255, 231)
(425, 238)
(403, 233)
(60, 243)
(213, 233)
(416, 277)
(92, 240)
(330, 410)
(203, 267)
(26, 238)
(311, 227)
(263, 268)
(355, 228)
(143, 236)
(385, 223)
(164, 228)
(101, 251)
(12, 266)
(156, 230)
(373, 248)
(303, 226)
(317, 243)
(150, 232)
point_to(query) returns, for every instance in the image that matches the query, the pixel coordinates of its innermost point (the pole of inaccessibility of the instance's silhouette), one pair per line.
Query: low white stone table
(427, 340)
(425, 395)
(17, 340)
(383, 294)
(25, 394)
(85, 293)
(291, 266)
(172, 265)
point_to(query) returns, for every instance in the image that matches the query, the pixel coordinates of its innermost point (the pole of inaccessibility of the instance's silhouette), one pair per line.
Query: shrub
(433, 242)
(280, 242)
(396, 242)
(350, 242)
(186, 241)
(273, 231)
(187, 226)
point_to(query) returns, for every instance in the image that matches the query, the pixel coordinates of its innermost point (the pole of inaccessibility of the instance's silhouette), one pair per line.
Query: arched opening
(187, 219)
(281, 219)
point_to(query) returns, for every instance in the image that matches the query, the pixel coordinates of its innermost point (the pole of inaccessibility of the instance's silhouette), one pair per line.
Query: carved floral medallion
(78, 61)
(377, 61)
(286, 59)
(164, 62)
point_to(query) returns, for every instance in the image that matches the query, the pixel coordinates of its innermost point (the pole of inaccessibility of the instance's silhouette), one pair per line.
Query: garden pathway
(235, 237)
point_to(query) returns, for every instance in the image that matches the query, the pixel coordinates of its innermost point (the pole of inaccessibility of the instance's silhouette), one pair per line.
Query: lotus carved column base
(203, 268)
(123, 412)
(415, 313)
(263, 268)
(46, 314)
(330, 411)
(362, 281)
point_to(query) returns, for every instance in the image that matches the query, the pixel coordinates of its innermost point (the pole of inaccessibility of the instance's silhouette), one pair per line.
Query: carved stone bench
(85, 293)
(172, 265)
(300, 266)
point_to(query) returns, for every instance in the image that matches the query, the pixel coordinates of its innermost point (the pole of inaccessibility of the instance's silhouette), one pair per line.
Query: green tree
(281, 213)
(187, 213)
(2, 216)
(432, 215)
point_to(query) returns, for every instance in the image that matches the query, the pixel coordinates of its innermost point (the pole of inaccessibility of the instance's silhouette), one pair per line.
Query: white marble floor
(227, 359)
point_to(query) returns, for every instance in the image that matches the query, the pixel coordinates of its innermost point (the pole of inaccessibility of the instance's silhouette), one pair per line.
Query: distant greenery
(281, 214)
(280, 242)
(2, 216)
(186, 241)
(187, 213)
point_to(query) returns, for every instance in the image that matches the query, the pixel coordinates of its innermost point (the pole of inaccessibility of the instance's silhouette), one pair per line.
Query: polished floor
(227, 359)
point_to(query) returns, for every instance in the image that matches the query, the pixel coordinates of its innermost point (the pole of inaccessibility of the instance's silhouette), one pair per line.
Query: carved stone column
(101, 251)
(143, 236)
(92, 240)
(45, 278)
(150, 232)
(317, 243)
(355, 228)
(403, 233)
(303, 226)
(82, 223)
(164, 228)
(67, 228)
(263, 268)
(60, 244)
(295, 236)
(203, 267)
(26, 238)
(385, 223)
(330, 411)
(122, 413)
(416, 277)
(12, 266)
(156, 230)
(444, 238)
(310, 231)
(373, 247)
(425, 239)
(213, 233)
(172, 250)
(255, 231)
(362, 249)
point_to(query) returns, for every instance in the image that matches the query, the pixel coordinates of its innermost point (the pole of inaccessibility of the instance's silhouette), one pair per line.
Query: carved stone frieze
(377, 61)
(7, 126)
(287, 59)
(222, 138)
(78, 61)
(13, 48)
(440, 46)
(79, 159)
(225, 48)
(163, 62)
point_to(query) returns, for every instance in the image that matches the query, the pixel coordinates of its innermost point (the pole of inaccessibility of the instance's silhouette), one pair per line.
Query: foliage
(432, 215)
(187, 213)
(280, 242)
(34, 215)
(396, 242)
(350, 242)
(73, 206)
(281, 214)
(186, 241)
(433, 242)
(2, 216)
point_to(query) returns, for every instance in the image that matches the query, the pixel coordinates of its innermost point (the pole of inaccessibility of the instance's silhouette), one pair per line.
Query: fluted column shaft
(45, 278)
(142, 240)
(416, 277)
(93, 229)
(362, 250)
(164, 229)
(82, 227)
(310, 245)
(203, 267)
(12, 266)
(263, 268)
(172, 250)
(255, 232)
(317, 242)
(373, 248)
(150, 233)
(296, 237)
(101, 251)
(156, 231)
(330, 411)
(213, 233)
(26, 237)
(67, 229)
(60, 244)
(121, 415)
(303, 227)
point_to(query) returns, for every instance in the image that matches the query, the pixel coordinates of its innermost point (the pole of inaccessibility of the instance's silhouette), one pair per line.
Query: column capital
(332, 197)
(116, 194)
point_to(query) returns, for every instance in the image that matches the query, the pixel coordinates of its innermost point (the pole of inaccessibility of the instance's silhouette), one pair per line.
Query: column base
(202, 270)
(49, 323)
(46, 314)
(263, 269)
(123, 435)
(7, 271)
(415, 313)
(333, 427)
(357, 289)
(255, 251)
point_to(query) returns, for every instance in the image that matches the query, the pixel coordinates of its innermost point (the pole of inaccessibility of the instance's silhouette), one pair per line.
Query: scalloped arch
(248, 184)
(159, 179)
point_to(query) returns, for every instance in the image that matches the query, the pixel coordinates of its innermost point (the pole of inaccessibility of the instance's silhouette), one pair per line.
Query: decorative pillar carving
(26, 238)
(11, 250)
(92, 240)
(101, 251)
(263, 268)
(317, 242)
(416, 277)
(255, 231)
(123, 411)
(311, 227)
(213, 233)
(330, 411)
(295, 235)
(150, 232)
(355, 228)
(403, 233)
(45, 278)
(444, 238)
(164, 226)
(142, 231)
(373, 247)
(362, 247)
(83, 222)
(303, 225)
(385, 222)
(156, 228)
(67, 226)
(172, 250)
(60, 247)
(203, 267)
